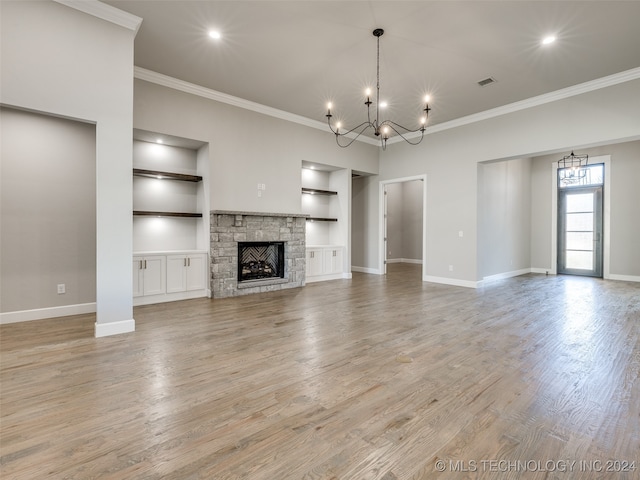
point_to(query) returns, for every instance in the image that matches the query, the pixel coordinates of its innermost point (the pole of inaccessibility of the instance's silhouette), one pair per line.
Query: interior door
(580, 231)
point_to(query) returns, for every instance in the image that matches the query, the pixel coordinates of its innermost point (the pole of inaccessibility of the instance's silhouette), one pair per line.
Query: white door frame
(382, 251)
(606, 215)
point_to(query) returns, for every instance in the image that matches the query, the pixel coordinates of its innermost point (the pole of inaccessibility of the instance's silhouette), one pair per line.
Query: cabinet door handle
(184, 262)
(145, 264)
(189, 262)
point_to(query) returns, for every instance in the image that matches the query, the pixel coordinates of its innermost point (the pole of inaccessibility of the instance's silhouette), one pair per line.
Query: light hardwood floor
(371, 378)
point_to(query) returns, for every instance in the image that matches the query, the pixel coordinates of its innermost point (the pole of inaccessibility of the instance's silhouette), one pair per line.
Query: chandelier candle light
(382, 128)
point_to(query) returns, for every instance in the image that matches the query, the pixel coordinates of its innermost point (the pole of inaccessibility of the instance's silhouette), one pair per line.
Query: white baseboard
(416, 261)
(451, 281)
(373, 271)
(404, 260)
(503, 275)
(611, 276)
(544, 271)
(624, 278)
(114, 328)
(170, 297)
(347, 275)
(322, 278)
(50, 312)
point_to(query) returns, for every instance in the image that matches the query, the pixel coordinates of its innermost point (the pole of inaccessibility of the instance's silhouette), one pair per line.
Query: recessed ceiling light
(383, 104)
(159, 140)
(215, 34)
(548, 40)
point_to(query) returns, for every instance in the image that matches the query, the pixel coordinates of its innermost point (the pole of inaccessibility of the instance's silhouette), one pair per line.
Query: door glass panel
(579, 241)
(579, 260)
(581, 222)
(582, 202)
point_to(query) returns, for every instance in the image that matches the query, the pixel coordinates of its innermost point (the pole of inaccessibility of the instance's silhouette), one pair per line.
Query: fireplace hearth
(260, 260)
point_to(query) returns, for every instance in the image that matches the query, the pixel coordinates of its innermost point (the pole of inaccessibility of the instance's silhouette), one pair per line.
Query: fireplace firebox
(260, 261)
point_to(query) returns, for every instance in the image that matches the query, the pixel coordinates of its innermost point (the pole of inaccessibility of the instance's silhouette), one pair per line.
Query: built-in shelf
(320, 219)
(315, 191)
(139, 172)
(145, 213)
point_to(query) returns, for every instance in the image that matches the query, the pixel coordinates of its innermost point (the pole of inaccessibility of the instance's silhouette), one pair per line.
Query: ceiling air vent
(486, 81)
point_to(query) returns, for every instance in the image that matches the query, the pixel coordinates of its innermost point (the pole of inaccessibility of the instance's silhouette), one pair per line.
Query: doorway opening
(403, 222)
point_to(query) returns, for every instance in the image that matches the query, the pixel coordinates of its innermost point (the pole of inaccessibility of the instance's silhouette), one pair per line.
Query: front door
(580, 230)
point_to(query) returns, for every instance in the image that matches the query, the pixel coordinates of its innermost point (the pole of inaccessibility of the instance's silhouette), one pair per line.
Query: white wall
(450, 157)
(64, 62)
(504, 217)
(48, 219)
(246, 148)
(364, 213)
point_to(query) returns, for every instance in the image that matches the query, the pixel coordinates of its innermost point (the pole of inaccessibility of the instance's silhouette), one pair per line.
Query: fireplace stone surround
(230, 227)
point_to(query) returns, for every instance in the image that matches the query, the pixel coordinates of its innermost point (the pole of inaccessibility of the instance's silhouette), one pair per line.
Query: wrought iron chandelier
(573, 167)
(382, 128)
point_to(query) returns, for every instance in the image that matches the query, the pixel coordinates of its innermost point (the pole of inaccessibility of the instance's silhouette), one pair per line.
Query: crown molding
(579, 89)
(105, 12)
(597, 84)
(192, 88)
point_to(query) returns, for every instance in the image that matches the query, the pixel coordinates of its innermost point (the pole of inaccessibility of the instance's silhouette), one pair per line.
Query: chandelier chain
(376, 126)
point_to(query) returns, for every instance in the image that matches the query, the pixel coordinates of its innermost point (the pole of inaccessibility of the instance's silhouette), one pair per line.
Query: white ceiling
(298, 55)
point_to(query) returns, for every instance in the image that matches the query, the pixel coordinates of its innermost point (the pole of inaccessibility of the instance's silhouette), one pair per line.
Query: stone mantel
(258, 214)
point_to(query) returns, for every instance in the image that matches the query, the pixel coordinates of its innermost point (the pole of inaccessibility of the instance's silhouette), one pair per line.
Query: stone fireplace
(268, 248)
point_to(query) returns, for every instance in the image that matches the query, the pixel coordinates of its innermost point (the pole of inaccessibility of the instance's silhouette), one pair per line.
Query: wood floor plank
(378, 377)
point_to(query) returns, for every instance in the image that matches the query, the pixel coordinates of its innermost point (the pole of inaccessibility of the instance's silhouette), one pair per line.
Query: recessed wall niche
(168, 197)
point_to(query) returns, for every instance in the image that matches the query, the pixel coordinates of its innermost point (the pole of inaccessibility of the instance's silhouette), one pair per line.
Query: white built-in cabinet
(168, 276)
(324, 262)
(149, 275)
(170, 218)
(186, 273)
(325, 199)
(333, 260)
(315, 262)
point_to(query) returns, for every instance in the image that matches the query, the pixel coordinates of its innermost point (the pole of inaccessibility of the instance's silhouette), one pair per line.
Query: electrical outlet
(451, 268)
(62, 288)
(461, 234)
